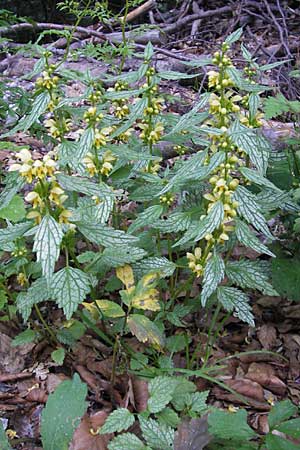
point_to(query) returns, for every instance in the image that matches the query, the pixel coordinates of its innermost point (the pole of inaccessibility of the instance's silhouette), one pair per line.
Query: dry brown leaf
(86, 436)
(37, 395)
(140, 394)
(12, 359)
(53, 380)
(192, 434)
(264, 374)
(267, 336)
(252, 392)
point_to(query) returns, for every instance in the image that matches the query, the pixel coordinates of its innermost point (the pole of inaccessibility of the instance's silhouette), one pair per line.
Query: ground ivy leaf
(127, 441)
(47, 242)
(161, 391)
(119, 420)
(70, 287)
(157, 435)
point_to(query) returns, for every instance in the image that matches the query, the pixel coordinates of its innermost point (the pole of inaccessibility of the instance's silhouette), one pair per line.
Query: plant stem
(46, 326)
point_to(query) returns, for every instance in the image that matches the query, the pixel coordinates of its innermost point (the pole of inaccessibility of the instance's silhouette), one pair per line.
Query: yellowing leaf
(147, 299)
(125, 274)
(145, 330)
(149, 278)
(92, 309)
(110, 309)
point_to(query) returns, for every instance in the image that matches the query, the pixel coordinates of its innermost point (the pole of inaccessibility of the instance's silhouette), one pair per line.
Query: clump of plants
(148, 231)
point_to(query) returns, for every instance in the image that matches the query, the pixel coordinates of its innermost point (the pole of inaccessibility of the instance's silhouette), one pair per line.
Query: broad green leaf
(106, 236)
(270, 200)
(250, 210)
(85, 144)
(162, 265)
(70, 287)
(178, 221)
(13, 232)
(275, 106)
(127, 441)
(118, 420)
(13, 183)
(168, 417)
(286, 277)
(146, 217)
(14, 211)
(247, 238)
(280, 412)
(110, 309)
(24, 338)
(249, 274)
(4, 444)
(233, 37)
(290, 428)
(198, 404)
(172, 75)
(183, 393)
(257, 178)
(157, 435)
(213, 275)
(227, 425)
(233, 299)
(38, 292)
(58, 356)
(47, 242)
(161, 391)
(39, 106)
(145, 330)
(253, 103)
(62, 414)
(274, 442)
(125, 255)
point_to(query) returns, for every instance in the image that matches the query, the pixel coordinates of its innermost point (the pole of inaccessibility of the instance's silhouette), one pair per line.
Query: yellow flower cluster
(22, 279)
(101, 166)
(30, 169)
(167, 199)
(120, 106)
(151, 134)
(225, 104)
(197, 261)
(101, 137)
(57, 129)
(91, 116)
(47, 80)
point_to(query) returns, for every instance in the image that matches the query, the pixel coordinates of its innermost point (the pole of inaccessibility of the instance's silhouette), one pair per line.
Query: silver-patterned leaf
(118, 420)
(146, 217)
(36, 293)
(161, 391)
(47, 242)
(233, 299)
(157, 435)
(106, 236)
(213, 275)
(257, 178)
(247, 238)
(9, 234)
(164, 266)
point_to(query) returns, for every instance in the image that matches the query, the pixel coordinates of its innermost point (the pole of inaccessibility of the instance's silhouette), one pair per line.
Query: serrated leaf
(47, 242)
(39, 106)
(62, 414)
(253, 103)
(148, 216)
(183, 393)
(270, 66)
(178, 221)
(275, 106)
(280, 412)
(103, 235)
(250, 210)
(161, 265)
(13, 232)
(110, 309)
(233, 37)
(213, 275)
(145, 330)
(274, 442)
(172, 75)
(233, 299)
(249, 274)
(125, 274)
(38, 292)
(124, 256)
(161, 391)
(157, 435)
(58, 356)
(25, 337)
(168, 417)
(85, 144)
(198, 404)
(247, 238)
(227, 425)
(290, 428)
(257, 178)
(70, 287)
(13, 184)
(14, 211)
(119, 420)
(127, 441)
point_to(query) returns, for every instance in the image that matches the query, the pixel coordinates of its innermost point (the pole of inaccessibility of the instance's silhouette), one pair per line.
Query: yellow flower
(50, 167)
(56, 195)
(26, 172)
(24, 155)
(22, 279)
(65, 216)
(38, 169)
(34, 199)
(35, 215)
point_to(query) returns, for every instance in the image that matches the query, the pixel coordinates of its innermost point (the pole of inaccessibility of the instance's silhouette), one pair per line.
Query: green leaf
(106, 236)
(291, 428)
(247, 238)
(168, 417)
(110, 309)
(257, 178)
(280, 412)
(250, 210)
(183, 393)
(13, 183)
(126, 255)
(70, 287)
(207, 225)
(119, 420)
(47, 242)
(233, 37)
(253, 103)
(213, 275)
(172, 75)
(178, 221)
(14, 211)
(62, 414)
(39, 106)
(145, 330)
(4, 444)
(147, 217)
(161, 391)
(274, 442)
(162, 265)
(286, 277)
(13, 232)
(38, 292)
(233, 299)
(85, 144)
(249, 274)
(199, 400)
(58, 356)
(25, 337)
(227, 425)
(127, 441)
(275, 106)
(156, 434)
